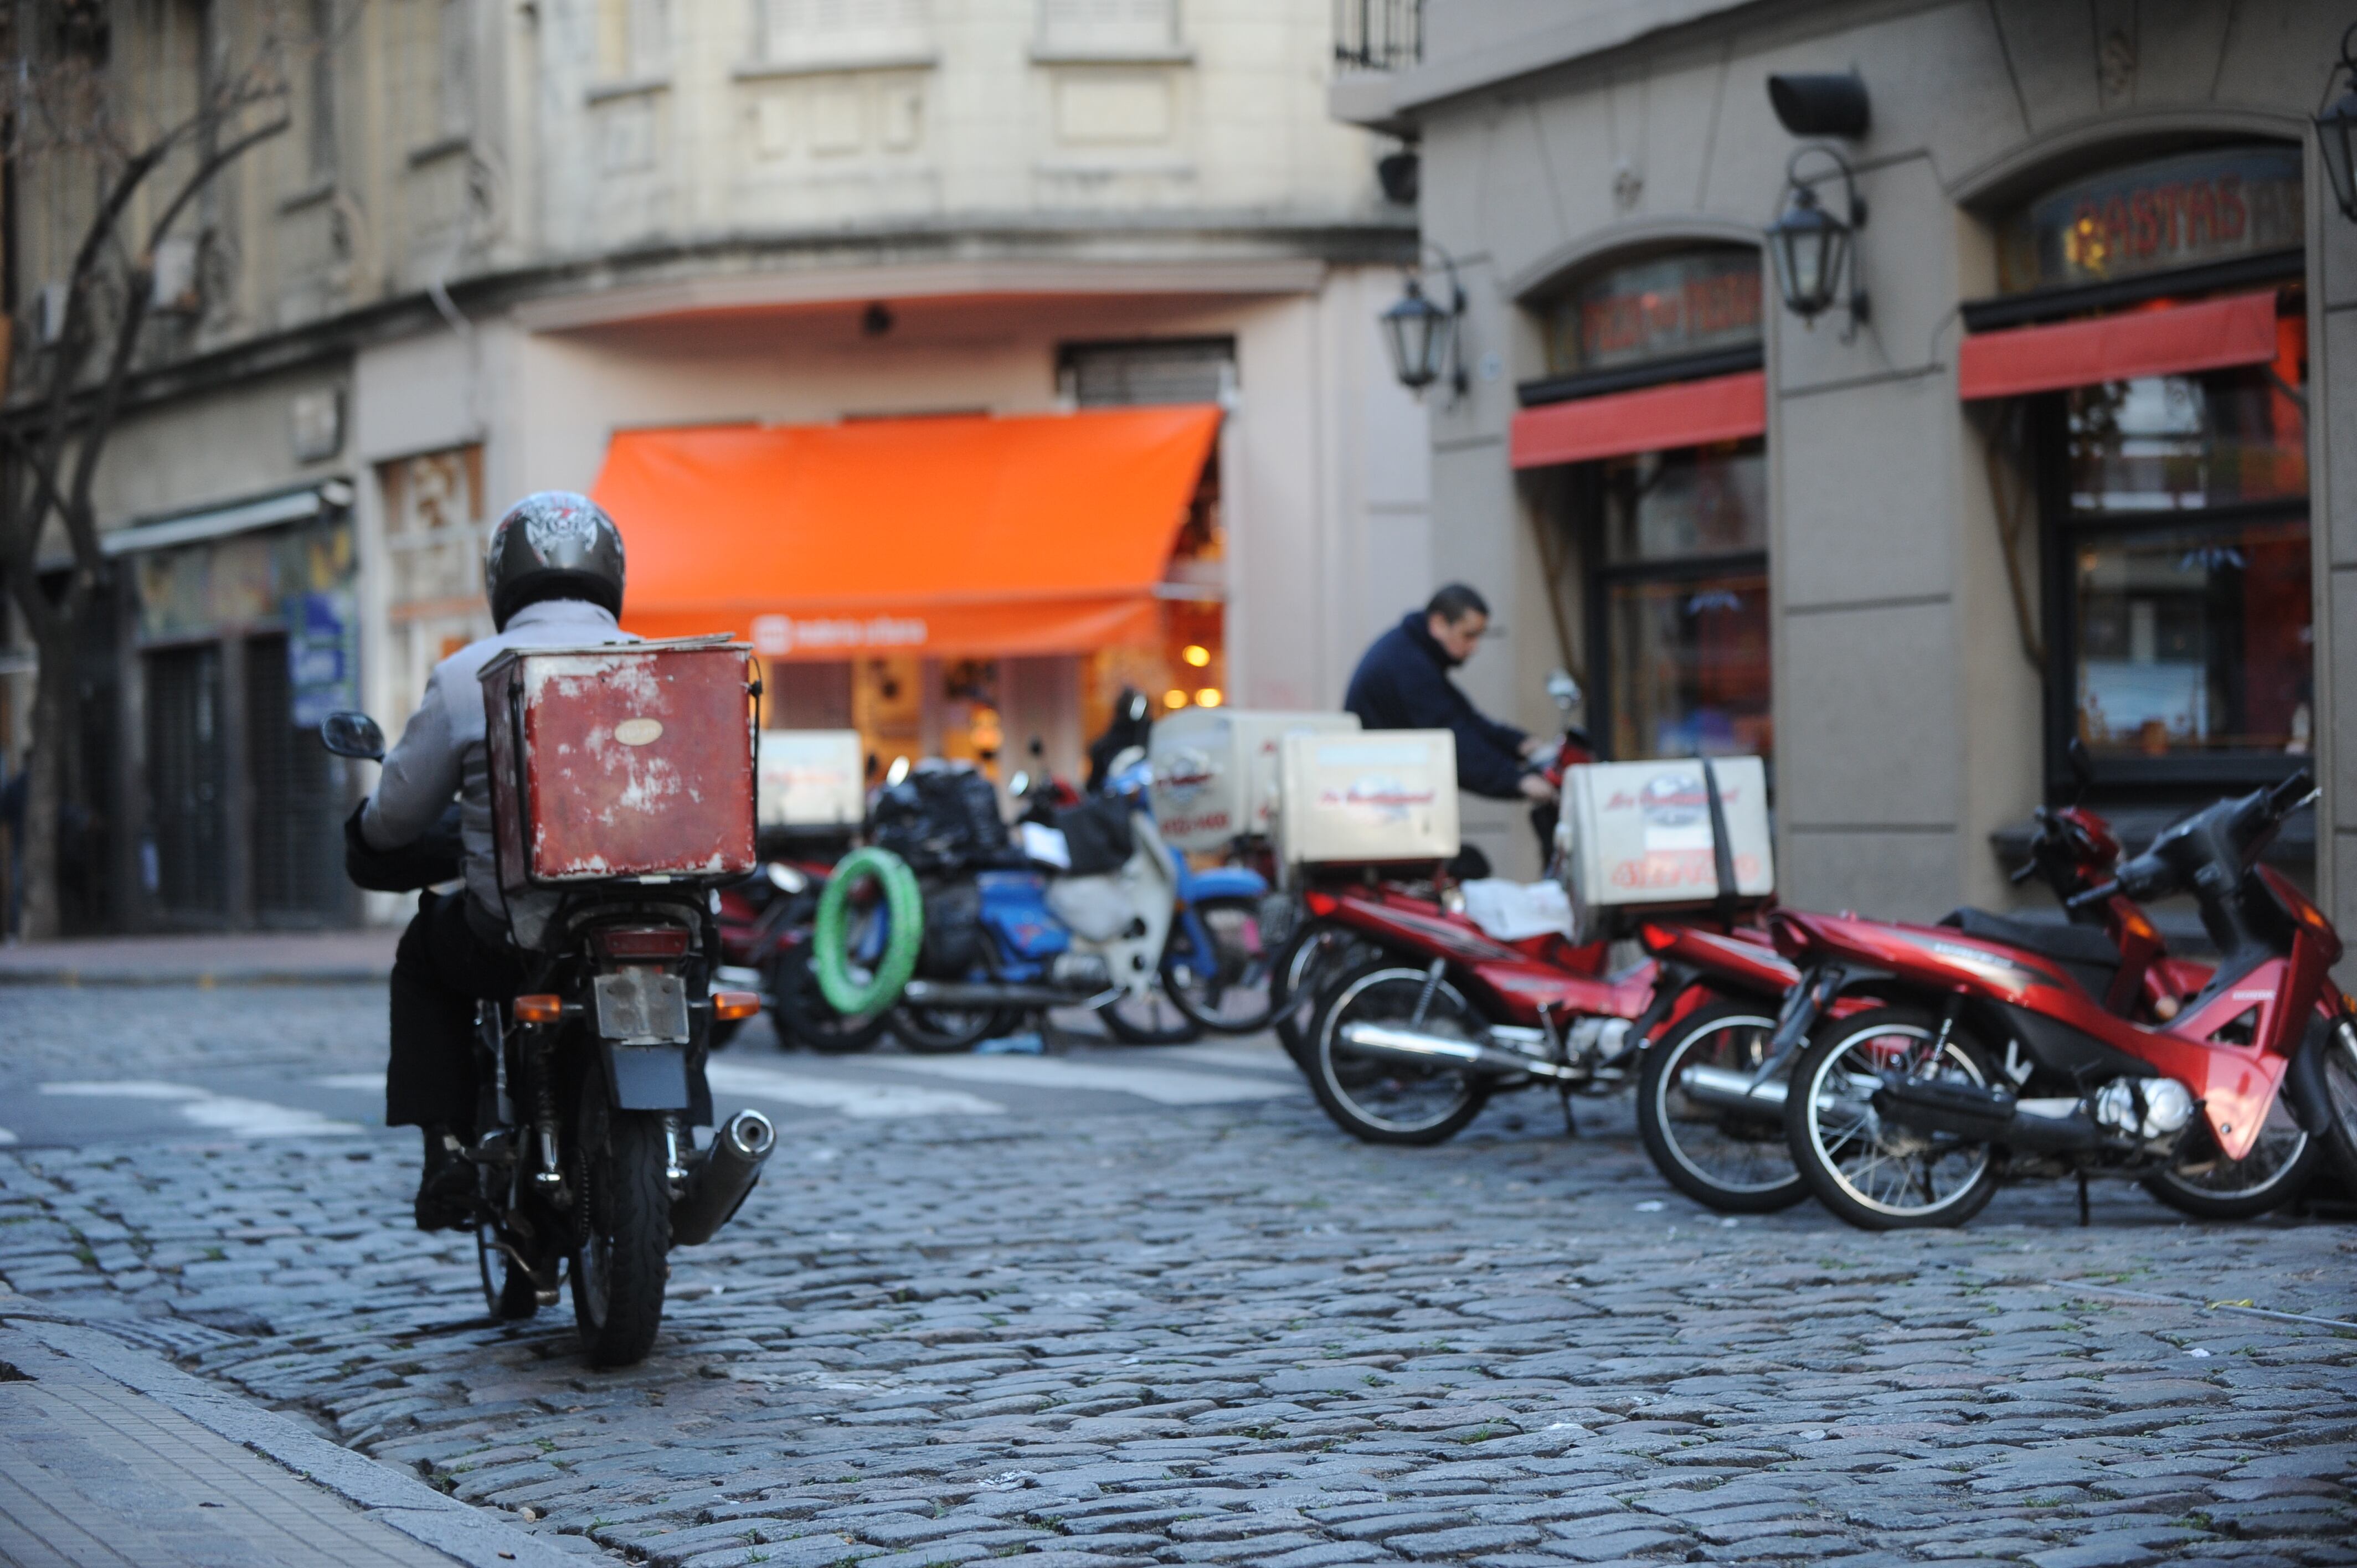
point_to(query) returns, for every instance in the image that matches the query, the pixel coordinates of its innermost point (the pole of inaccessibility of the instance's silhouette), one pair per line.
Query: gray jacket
(441, 755)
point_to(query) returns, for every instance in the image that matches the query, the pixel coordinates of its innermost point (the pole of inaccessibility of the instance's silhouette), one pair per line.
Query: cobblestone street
(1222, 1333)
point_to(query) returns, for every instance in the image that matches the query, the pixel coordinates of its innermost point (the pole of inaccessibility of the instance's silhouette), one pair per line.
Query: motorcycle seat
(2082, 952)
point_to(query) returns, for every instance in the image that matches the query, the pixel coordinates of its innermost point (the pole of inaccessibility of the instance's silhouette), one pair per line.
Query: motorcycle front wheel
(1735, 1161)
(1382, 1101)
(1227, 989)
(621, 1256)
(1879, 1175)
(803, 1015)
(1317, 954)
(2324, 1078)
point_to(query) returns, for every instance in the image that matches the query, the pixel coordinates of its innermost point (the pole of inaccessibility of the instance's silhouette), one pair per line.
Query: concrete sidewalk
(110, 1456)
(246, 957)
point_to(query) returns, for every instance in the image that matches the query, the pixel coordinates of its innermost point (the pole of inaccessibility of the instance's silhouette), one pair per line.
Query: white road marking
(1164, 1086)
(230, 1114)
(371, 1081)
(1270, 1058)
(864, 1101)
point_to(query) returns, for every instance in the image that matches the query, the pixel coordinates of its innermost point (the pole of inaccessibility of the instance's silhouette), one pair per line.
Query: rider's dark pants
(442, 966)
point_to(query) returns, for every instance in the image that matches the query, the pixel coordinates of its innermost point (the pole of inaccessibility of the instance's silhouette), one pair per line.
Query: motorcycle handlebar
(2101, 893)
(2022, 872)
(2291, 794)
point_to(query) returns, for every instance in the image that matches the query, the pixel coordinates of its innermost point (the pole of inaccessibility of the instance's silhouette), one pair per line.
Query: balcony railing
(1378, 34)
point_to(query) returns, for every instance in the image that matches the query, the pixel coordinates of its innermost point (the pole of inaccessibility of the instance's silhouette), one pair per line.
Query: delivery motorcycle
(592, 1077)
(1997, 1055)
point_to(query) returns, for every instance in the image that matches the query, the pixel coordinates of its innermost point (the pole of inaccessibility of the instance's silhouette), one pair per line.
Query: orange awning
(2171, 340)
(963, 536)
(1683, 413)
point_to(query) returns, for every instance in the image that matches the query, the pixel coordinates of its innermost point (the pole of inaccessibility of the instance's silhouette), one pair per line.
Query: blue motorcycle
(1102, 914)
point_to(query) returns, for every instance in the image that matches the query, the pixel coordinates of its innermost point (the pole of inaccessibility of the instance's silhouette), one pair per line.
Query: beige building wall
(1908, 713)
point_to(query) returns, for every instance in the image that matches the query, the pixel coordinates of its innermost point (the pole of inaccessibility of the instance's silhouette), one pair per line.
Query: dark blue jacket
(1403, 683)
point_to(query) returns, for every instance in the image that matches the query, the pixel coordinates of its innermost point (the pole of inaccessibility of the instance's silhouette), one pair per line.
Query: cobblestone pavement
(1227, 1334)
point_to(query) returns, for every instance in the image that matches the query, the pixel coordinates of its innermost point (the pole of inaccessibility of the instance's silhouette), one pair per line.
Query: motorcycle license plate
(642, 1006)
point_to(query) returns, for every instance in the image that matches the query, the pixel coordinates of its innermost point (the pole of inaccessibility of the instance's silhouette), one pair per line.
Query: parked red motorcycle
(765, 923)
(1710, 1111)
(1996, 1055)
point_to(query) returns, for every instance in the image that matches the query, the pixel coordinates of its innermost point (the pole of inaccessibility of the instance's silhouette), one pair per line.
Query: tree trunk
(53, 708)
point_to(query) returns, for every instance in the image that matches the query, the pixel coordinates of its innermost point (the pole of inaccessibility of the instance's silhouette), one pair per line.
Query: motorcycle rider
(554, 576)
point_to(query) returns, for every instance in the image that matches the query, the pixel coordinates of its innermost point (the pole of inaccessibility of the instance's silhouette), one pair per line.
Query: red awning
(973, 537)
(2165, 341)
(1686, 414)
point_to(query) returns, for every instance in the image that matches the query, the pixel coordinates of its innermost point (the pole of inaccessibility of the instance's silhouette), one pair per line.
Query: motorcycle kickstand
(2082, 1198)
(1570, 1123)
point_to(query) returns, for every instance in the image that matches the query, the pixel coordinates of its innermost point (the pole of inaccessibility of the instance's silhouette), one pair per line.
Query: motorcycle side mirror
(1563, 690)
(898, 772)
(2082, 767)
(349, 733)
(1021, 785)
(785, 878)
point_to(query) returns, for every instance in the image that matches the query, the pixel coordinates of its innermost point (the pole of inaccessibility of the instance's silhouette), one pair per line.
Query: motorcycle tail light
(729, 1005)
(539, 1009)
(1655, 940)
(1321, 904)
(641, 941)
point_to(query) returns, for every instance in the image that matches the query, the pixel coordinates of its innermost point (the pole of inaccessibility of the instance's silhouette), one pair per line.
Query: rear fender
(1225, 881)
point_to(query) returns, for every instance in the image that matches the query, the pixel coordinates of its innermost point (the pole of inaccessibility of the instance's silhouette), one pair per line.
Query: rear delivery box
(1378, 796)
(625, 760)
(812, 779)
(1639, 833)
(1215, 771)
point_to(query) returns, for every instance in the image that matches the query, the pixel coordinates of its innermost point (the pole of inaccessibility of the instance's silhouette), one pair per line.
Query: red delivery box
(621, 760)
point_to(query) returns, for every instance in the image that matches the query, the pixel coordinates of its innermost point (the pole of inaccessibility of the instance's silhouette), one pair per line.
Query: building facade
(2056, 460)
(496, 235)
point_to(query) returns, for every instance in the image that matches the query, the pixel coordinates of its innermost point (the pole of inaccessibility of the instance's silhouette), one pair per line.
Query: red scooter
(1996, 1055)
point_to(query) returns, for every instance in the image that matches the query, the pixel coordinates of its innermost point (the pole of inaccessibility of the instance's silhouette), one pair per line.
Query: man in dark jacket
(1402, 684)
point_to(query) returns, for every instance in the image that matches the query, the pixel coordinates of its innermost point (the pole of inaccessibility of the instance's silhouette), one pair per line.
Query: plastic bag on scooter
(1096, 835)
(1096, 909)
(1510, 911)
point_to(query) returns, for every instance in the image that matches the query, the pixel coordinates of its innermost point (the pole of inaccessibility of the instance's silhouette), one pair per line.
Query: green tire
(904, 906)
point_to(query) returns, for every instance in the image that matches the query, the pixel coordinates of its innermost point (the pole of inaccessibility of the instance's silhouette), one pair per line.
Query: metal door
(298, 795)
(186, 783)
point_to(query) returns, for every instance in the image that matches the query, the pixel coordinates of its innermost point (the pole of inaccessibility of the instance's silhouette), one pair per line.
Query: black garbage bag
(1097, 833)
(940, 818)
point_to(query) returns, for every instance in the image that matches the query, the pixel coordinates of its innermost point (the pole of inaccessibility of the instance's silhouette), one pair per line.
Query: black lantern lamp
(1816, 252)
(2336, 132)
(1422, 337)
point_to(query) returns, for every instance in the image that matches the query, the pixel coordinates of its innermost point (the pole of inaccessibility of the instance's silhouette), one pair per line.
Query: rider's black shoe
(445, 1188)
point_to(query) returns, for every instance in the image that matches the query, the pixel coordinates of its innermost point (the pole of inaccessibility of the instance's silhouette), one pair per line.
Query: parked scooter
(1997, 1058)
(1713, 1124)
(765, 923)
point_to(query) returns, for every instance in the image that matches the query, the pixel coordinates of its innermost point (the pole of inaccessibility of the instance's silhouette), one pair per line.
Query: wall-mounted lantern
(1814, 251)
(1422, 337)
(2336, 131)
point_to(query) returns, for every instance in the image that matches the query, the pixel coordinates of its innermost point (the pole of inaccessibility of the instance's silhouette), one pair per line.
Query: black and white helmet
(552, 544)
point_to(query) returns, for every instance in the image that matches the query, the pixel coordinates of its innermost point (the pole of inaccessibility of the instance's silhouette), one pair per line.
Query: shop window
(1679, 601)
(1693, 304)
(1107, 27)
(809, 32)
(1157, 370)
(2220, 205)
(2181, 556)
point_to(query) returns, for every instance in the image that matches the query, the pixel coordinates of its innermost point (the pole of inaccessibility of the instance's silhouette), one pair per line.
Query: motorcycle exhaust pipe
(1390, 1044)
(982, 993)
(1729, 1091)
(719, 1184)
(1989, 1116)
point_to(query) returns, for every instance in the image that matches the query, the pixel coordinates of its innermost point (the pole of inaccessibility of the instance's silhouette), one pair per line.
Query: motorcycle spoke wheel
(1735, 1162)
(939, 1031)
(1386, 1102)
(1151, 1018)
(621, 1254)
(2204, 1182)
(1311, 959)
(1226, 990)
(2324, 1076)
(1878, 1176)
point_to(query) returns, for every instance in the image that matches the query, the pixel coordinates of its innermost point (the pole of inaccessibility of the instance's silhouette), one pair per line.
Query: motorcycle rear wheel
(803, 1015)
(1386, 1102)
(1868, 1174)
(1154, 1019)
(941, 1031)
(1734, 1162)
(622, 1240)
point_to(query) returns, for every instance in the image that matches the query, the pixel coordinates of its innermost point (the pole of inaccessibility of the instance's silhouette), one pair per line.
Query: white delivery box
(1639, 834)
(1381, 795)
(1215, 771)
(811, 778)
